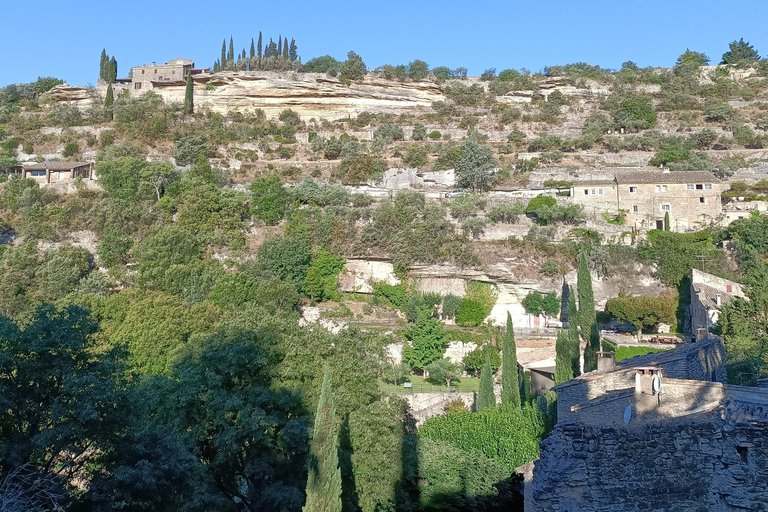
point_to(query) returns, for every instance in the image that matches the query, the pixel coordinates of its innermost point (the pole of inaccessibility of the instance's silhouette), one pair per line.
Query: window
(155, 71)
(666, 208)
(633, 189)
(37, 174)
(142, 71)
(699, 186)
(599, 191)
(635, 209)
(690, 186)
(702, 200)
(586, 191)
(707, 186)
(137, 85)
(661, 188)
(729, 288)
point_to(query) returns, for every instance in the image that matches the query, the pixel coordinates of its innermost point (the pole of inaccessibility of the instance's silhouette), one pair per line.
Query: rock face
(81, 96)
(309, 94)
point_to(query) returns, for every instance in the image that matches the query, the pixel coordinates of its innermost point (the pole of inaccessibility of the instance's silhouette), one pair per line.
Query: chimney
(719, 299)
(153, 63)
(606, 361)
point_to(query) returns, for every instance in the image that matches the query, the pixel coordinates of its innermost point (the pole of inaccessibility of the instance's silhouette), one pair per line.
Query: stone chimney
(606, 361)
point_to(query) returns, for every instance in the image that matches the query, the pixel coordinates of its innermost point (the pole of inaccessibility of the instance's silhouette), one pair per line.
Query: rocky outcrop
(81, 96)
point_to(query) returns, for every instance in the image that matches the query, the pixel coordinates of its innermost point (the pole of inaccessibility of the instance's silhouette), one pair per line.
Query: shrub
(635, 113)
(539, 202)
(507, 213)
(451, 305)
(71, 149)
(475, 360)
(187, 150)
(389, 132)
(477, 303)
(419, 132)
(323, 276)
(416, 156)
(435, 135)
(290, 117)
(269, 199)
(396, 295)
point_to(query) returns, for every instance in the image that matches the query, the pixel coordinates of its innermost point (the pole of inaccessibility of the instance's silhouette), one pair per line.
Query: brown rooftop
(647, 176)
(592, 183)
(55, 166)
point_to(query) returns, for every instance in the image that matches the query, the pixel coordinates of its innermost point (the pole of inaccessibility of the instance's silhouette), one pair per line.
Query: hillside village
(515, 291)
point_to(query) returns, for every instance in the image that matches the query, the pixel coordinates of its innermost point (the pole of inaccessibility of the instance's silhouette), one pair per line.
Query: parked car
(456, 193)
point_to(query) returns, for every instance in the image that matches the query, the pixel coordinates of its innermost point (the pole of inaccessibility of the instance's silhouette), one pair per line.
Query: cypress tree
(253, 50)
(563, 369)
(112, 70)
(485, 396)
(510, 385)
(110, 98)
(587, 314)
(666, 221)
(279, 45)
(103, 64)
(573, 333)
(231, 54)
(223, 51)
(258, 46)
(324, 479)
(189, 102)
(285, 48)
(292, 51)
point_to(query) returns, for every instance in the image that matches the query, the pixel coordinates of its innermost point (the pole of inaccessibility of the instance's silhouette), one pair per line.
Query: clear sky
(64, 39)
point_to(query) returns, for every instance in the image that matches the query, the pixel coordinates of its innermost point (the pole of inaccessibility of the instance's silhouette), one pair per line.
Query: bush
(451, 305)
(269, 199)
(419, 132)
(71, 149)
(322, 278)
(290, 117)
(187, 150)
(416, 156)
(475, 360)
(507, 213)
(477, 304)
(396, 295)
(389, 132)
(539, 202)
(635, 113)
(435, 135)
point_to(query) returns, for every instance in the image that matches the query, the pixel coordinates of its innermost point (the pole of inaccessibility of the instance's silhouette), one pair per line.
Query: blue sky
(65, 39)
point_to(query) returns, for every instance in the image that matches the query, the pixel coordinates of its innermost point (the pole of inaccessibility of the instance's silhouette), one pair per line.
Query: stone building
(708, 296)
(145, 78)
(659, 432)
(57, 172)
(691, 198)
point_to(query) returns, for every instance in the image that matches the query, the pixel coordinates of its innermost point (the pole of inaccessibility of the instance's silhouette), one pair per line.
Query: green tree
(189, 92)
(666, 221)
(322, 279)
(587, 314)
(485, 397)
(259, 47)
(635, 113)
(427, 339)
(286, 258)
(103, 64)
(573, 333)
(293, 51)
(252, 52)
(109, 99)
(418, 70)
(692, 59)
(269, 199)
(224, 52)
(231, 53)
(353, 68)
(563, 358)
(476, 165)
(444, 369)
(396, 373)
(419, 132)
(324, 479)
(740, 51)
(510, 381)
(642, 311)
(285, 48)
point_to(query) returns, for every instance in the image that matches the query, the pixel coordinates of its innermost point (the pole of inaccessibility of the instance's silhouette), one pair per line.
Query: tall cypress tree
(279, 45)
(510, 385)
(666, 221)
(485, 396)
(189, 93)
(573, 333)
(103, 64)
(285, 48)
(231, 54)
(110, 98)
(258, 46)
(224, 52)
(112, 70)
(293, 51)
(252, 53)
(587, 314)
(324, 479)
(563, 369)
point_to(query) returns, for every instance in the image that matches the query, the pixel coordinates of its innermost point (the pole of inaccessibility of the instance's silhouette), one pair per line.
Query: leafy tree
(563, 359)
(188, 150)
(475, 360)
(587, 314)
(427, 339)
(485, 397)
(418, 70)
(323, 64)
(324, 480)
(573, 334)
(476, 165)
(635, 113)
(641, 312)
(419, 132)
(167, 246)
(416, 156)
(269, 199)
(477, 304)
(444, 369)
(290, 117)
(397, 372)
(353, 68)
(189, 92)
(510, 386)
(389, 132)
(693, 59)
(537, 304)
(540, 202)
(322, 279)
(109, 100)
(740, 51)
(286, 258)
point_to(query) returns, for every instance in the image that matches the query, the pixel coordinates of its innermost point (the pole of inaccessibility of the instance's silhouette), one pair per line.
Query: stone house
(691, 198)
(145, 78)
(708, 296)
(57, 172)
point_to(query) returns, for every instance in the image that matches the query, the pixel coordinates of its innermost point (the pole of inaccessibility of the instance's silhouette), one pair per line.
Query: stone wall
(703, 465)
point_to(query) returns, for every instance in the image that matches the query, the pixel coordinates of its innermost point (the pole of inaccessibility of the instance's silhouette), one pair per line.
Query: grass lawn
(422, 386)
(628, 352)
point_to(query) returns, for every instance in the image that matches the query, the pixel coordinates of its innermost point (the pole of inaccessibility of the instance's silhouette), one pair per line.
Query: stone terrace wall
(674, 466)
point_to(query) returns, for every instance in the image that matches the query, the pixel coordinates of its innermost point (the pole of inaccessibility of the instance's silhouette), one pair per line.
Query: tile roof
(591, 183)
(55, 166)
(749, 413)
(646, 176)
(708, 296)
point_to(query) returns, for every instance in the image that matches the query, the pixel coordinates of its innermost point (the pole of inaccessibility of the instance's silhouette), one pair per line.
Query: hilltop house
(57, 172)
(708, 296)
(691, 198)
(145, 78)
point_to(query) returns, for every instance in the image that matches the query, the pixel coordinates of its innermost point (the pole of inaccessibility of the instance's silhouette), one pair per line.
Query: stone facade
(691, 198)
(47, 173)
(708, 295)
(145, 78)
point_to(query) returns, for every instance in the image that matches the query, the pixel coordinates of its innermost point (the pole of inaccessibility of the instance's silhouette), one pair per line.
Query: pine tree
(485, 396)
(189, 105)
(293, 51)
(231, 54)
(103, 64)
(110, 98)
(253, 50)
(324, 479)
(563, 369)
(573, 333)
(510, 390)
(285, 48)
(587, 314)
(224, 52)
(258, 46)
